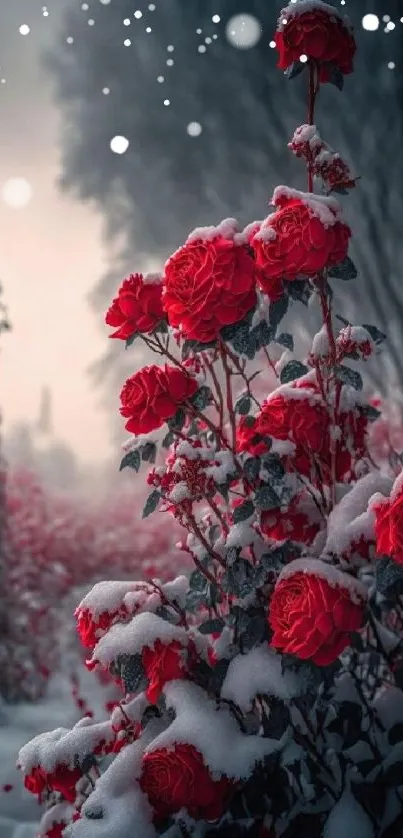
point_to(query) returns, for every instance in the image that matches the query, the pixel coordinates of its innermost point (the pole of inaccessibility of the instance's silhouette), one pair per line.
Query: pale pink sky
(51, 251)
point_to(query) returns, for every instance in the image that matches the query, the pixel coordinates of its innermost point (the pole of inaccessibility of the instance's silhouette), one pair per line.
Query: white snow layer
(257, 673)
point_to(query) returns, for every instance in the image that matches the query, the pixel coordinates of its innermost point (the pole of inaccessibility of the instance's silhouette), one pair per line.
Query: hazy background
(51, 251)
(88, 71)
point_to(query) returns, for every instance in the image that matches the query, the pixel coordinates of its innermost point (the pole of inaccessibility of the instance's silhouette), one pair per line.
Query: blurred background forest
(125, 124)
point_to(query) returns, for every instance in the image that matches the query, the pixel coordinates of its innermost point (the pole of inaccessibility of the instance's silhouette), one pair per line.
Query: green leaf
(336, 76)
(343, 320)
(371, 413)
(213, 626)
(131, 460)
(261, 335)
(345, 271)
(295, 69)
(292, 370)
(168, 440)
(277, 311)
(242, 405)
(131, 339)
(376, 335)
(251, 468)
(243, 512)
(149, 452)
(349, 376)
(177, 422)
(274, 466)
(299, 290)
(202, 398)
(266, 498)
(151, 503)
(285, 339)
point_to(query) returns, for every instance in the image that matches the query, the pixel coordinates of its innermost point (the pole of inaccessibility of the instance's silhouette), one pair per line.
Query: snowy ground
(19, 811)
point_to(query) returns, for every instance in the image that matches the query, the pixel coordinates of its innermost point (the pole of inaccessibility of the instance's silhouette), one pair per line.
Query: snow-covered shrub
(52, 546)
(263, 691)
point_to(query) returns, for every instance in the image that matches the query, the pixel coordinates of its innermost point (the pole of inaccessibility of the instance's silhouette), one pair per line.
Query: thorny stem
(228, 384)
(197, 531)
(217, 385)
(166, 601)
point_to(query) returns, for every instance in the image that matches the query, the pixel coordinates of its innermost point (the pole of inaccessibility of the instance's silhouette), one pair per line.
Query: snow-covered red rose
(138, 306)
(297, 416)
(389, 524)
(302, 237)
(313, 611)
(320, 32)
(178, 778)
(152, 395)
(164, 662)
(209, 283)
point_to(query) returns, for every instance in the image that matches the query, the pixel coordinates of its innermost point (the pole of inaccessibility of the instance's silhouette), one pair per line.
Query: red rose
(319, 34)
(35, 782)
(162, 663)
(137, 308)
(297, 523)
(389, 527)
(91, 628)
(152, 395)
(179, 778)
(312, 618)
(64, 779)
(306, 423)
(208, 285)
(56, 831)
(294, 241)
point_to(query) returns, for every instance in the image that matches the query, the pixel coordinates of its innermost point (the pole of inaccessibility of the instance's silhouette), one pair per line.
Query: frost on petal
(323, 570)
(129, 639)
(353, 517)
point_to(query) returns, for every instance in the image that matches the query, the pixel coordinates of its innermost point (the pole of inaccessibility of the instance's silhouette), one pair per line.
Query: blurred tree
(168, 182)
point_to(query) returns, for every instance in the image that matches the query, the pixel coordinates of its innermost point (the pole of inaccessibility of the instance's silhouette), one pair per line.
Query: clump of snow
(241, 535)
(179, 493)
(152, 279)
(320, 343)
(227, 229)
(348, 819)
(125, 809)
(212, 731)
(326, 208)
(257, 672)
(397, 487)
(304, 6)
(334, 577)
(247, 233)
(131, 638)
(223, 467)
(354, 517)
(307, 134)
(63, 746)
(266, 232)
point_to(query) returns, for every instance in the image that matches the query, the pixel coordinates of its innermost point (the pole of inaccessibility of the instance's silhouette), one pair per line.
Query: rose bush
(262, 690)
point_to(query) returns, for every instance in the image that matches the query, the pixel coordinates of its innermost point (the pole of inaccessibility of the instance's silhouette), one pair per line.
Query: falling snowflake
(370, 22)
(194, 129)
(243, 31)
(119, 145)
